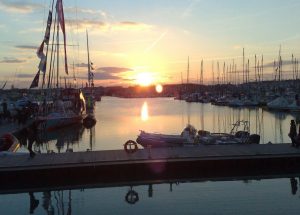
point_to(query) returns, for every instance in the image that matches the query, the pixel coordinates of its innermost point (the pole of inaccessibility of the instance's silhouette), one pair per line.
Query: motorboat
(167, 140)
(239, 134)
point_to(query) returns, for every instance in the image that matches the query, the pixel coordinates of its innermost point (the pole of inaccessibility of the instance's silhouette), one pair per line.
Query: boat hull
(160, 140)
(51, 124)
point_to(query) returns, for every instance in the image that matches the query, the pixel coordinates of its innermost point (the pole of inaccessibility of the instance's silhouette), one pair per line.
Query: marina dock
(119, 167)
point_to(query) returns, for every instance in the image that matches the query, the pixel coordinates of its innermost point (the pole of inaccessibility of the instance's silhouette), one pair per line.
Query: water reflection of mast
(202, 116)
(278, 126)
(262, 126)
(69, 212)
(92, 137)
(219, 120)
(189, 112)
(214, 118)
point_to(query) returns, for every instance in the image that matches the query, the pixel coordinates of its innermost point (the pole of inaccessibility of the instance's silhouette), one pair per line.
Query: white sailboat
(60, 107)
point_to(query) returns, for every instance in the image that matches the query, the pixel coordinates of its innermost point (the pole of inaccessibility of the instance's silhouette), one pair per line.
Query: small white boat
(167, 140)
(240, 134)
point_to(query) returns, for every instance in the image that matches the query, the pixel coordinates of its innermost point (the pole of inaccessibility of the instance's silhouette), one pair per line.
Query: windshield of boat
(241, 125)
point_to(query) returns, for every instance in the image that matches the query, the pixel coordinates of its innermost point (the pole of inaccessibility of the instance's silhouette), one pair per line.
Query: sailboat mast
(89, 64)
(243, 65)
(57, 51)
(188, 71)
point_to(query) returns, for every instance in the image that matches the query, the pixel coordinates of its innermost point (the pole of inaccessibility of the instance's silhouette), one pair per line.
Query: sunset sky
(152, 37)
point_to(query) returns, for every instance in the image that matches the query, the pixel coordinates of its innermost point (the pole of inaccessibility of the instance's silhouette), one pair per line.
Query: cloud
(26, 47)
(30, 30)
(24, 75)
(85, 11)
(128, 25)
(284, 63)
(18, 6)
(83, 24)
(81, 65)
(11, 60)
(113, 69)
(107, 73)
(105, 76)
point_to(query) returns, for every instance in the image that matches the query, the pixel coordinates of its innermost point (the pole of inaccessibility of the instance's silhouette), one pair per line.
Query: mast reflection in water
(241, 196)
(119, 120)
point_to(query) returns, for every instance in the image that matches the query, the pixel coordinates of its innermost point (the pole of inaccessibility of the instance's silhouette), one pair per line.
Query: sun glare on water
(144, 79)
(144, 112)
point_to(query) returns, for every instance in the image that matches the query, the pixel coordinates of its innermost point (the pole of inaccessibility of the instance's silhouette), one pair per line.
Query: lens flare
(159, 88)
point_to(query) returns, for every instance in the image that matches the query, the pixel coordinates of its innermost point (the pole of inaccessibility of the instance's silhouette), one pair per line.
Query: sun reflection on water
(144, 112)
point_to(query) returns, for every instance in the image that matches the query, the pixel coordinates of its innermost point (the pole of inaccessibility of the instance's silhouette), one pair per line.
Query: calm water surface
(120, 120)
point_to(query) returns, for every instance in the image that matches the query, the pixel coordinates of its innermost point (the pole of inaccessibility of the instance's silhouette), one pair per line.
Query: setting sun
(144, 79)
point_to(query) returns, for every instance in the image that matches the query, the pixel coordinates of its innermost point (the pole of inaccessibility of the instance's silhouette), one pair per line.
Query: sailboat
(60, 107)
(89, 121)
(89, 90)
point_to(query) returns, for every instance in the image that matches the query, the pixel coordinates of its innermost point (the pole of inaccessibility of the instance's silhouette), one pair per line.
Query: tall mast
(293, 66)
(279, 64)
(188, 71)
(262, 68)
(255, 74)
(243, 65)
(201, 75)
(89, 64)
(57, 49)
(213, 74)
(218, 68)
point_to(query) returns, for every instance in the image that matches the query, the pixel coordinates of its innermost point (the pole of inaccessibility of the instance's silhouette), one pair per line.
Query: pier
(118, 167)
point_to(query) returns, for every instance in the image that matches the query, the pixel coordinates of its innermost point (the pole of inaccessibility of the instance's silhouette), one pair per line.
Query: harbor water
(119, 120)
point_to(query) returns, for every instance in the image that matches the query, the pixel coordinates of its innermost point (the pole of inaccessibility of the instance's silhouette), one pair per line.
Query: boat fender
(130, 146)
(132, 197)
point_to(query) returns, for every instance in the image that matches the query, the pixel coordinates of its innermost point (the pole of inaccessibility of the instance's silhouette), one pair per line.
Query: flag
(42, 65)
(61, 20)
(40, 51)
(35, 82)
(48, 28)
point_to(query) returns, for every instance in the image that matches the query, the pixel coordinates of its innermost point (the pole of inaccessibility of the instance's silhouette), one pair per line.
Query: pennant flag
(61, 19)
(48, 28)
(42, 65)
(35, 82)
(40, 51)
